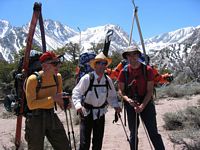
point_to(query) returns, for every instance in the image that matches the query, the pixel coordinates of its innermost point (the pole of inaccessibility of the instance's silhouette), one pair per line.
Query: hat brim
(93, 62)
(124, 55)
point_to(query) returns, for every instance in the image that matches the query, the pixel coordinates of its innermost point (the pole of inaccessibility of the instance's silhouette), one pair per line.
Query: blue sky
(155, 16)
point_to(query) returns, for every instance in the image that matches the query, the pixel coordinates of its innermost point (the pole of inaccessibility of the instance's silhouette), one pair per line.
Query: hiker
(114, 73)
(90, 97)
(43, 121)
(136, 90)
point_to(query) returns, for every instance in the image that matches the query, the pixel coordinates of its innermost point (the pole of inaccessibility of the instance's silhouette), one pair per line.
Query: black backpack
(33, 68)
(12, 101)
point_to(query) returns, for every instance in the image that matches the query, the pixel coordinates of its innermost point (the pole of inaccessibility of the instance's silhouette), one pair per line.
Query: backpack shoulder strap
(56, 81)
(144, 71)
(125, 71)
(144, 67)
(91, 76)
(39, 79)
(107, 84)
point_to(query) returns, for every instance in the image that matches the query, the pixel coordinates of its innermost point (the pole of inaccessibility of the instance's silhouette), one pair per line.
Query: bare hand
(67, 102)
(82, 111)
(139, 108)
(133, 103)
(59, 100)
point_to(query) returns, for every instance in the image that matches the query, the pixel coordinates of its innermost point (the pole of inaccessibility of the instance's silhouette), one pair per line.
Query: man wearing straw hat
(90, 97)
(136, 88)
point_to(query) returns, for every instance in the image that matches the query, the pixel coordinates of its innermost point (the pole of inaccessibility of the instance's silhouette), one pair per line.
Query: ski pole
(145, 129)
(68, 130)
(136, 129)
(123, 128)
(66, 104)
(72, 129)
(124, 114)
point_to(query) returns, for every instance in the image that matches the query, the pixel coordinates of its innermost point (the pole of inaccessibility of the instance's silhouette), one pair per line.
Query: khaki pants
(45, 123)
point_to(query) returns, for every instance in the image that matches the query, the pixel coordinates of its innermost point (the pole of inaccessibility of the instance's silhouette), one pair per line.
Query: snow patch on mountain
(57, 35)
(166, 39)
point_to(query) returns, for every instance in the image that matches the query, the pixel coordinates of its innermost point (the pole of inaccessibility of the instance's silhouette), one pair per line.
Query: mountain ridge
(12, 39)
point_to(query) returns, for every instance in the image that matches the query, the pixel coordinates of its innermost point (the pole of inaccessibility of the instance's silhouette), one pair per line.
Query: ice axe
(107, 42)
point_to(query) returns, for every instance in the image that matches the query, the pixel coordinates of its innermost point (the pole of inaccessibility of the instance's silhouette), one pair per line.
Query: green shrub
(187, 137)
(186, 127)
(173, 90)
(173, 121)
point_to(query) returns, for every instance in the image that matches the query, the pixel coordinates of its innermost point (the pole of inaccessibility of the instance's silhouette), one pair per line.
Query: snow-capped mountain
(168, 45)
(97, 35)
(174, 37)
(12, 39)
(172, 49)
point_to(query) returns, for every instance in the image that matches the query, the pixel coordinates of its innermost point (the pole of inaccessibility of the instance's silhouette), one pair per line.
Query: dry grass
(186, 127)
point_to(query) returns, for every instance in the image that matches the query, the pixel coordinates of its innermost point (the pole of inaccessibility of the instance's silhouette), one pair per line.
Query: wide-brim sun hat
(100, 57)
(129, 49)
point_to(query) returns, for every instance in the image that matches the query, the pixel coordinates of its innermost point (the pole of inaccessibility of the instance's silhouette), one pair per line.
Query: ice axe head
(109, 34)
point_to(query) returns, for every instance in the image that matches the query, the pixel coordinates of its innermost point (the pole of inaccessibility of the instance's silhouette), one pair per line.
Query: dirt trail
(115, 139)
(114, 136)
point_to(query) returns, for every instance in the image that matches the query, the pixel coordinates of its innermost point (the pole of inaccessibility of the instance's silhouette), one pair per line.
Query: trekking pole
(123, 127)
(66, 103)
(124, 115)
(136, 129)
(145, 129)
(72, 129)
(68, 130)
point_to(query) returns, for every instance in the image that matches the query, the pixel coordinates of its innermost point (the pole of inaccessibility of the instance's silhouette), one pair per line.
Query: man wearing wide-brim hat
(136, 84)
(98, 91)
(100, 57)
(131, 49)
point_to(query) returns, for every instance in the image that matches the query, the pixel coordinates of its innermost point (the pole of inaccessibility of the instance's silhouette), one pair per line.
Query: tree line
(67, 69)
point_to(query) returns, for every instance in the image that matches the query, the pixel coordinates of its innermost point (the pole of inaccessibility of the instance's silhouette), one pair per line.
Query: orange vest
(113, 74)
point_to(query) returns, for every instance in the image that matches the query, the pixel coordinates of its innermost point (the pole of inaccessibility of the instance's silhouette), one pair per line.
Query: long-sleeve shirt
(43, 99)
(91, 98)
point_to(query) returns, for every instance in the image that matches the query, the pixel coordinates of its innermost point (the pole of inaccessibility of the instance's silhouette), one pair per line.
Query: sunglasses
(55, 63)
(103, 63)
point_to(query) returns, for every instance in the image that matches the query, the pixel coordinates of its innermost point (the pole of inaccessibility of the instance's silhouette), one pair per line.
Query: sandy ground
(114, 137)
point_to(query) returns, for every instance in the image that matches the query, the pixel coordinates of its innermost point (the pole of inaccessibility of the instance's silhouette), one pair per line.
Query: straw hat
(100, 57)
(132, 48)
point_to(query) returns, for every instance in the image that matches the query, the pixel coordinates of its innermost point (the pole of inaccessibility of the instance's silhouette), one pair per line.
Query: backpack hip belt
(88, 106)
(38, 112)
